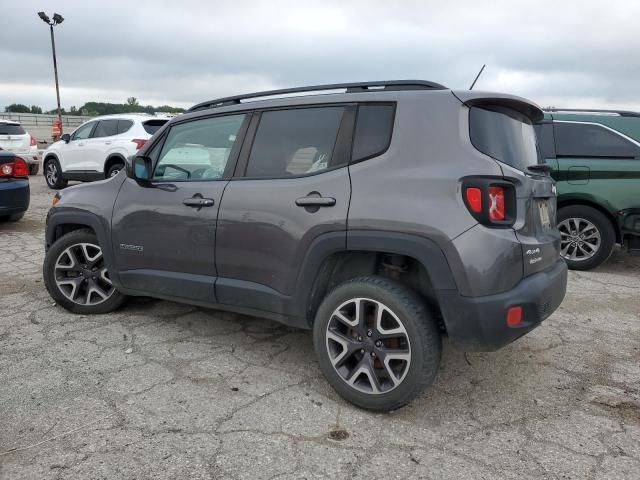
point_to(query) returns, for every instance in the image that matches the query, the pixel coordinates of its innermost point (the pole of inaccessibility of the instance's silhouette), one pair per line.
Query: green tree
(17, 108)
(36, 109)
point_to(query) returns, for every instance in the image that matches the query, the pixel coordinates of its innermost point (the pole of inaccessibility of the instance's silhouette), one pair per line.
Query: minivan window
(504, 134)
(198, 150)
(11, 129)
(372, 136)
(294, 142)
(124, 125)
(152, 126)
(544, 132)
(105, 128)
(589, 140)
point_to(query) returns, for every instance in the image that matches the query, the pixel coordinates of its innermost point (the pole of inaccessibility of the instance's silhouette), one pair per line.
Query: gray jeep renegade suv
(382, 217)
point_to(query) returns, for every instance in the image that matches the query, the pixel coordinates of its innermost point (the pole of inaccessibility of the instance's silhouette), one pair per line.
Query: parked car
(14, 138)
(595, 159)
(98, 149)
(382, 218)
(14, 186)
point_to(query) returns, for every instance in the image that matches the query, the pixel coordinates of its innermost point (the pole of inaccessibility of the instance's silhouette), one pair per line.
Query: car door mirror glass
(66, 138)
(142, 168)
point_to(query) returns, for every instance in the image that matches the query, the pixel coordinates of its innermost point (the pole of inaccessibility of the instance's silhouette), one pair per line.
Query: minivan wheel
(76, 276)
(114, 170)
(53, 174)
(587, 237)
(376, 342)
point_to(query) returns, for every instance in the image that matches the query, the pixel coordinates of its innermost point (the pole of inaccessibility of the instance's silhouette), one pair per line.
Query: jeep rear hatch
(502, 128)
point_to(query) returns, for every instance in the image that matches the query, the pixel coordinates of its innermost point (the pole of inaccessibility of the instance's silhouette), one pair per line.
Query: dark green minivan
(595, 160)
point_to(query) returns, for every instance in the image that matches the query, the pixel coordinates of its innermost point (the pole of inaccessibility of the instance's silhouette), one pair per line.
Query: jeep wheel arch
(327, 255)
(61, 222)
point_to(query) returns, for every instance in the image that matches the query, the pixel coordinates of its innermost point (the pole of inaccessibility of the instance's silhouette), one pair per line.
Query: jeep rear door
(163, 233)
(291, 186)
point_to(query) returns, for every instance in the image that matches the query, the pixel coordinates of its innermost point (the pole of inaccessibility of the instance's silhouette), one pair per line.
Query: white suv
(15, 139)
(99, 148)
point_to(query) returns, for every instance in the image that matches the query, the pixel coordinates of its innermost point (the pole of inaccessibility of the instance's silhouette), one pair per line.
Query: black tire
(53, 174)
(34, 168)
(114, 170)
(115, 300)
(12, 218)
(604, 229)
(421, 331)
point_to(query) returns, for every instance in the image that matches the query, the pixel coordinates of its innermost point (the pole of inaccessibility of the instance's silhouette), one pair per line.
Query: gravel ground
(162, 390)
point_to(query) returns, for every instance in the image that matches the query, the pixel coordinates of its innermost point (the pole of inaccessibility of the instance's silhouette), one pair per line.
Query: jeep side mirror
(141, 169)
(66, 137)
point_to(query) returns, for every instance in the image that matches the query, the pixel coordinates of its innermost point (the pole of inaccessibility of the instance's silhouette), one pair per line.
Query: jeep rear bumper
(479, 323)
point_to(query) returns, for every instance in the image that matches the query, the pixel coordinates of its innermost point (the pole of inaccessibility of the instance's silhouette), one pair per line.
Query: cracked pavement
(162, 390)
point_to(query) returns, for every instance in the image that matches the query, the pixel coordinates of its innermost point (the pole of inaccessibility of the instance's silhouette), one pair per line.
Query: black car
(14, 186)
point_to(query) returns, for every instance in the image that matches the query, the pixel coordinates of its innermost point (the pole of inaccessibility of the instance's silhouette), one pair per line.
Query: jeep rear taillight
(17, 168)
(491, 201)
(474, 199)
(496, 204)
(34, 141)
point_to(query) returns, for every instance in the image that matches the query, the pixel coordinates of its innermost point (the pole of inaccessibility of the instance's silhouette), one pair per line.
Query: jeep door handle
(199, 202)
(316, 202)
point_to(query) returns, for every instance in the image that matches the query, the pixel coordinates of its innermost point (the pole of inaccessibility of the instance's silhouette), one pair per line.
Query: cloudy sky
(562, 53)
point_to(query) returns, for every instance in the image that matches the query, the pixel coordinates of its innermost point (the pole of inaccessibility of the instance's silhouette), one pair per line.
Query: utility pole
(57, 19)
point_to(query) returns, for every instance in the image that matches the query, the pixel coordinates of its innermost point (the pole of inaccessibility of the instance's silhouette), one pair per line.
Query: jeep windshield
(504, 134)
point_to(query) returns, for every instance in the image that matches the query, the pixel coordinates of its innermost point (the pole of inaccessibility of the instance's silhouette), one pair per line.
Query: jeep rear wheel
(377, 343)
(76, 275)
(587, 237)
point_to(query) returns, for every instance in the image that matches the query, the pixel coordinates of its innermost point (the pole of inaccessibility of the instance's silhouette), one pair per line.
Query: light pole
(57, 19)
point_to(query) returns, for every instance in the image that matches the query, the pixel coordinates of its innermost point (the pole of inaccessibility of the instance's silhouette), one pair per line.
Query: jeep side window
(294, 142)
(198, 150)
(105, 128)
(83, 132)
(589, 140)
(374, 126)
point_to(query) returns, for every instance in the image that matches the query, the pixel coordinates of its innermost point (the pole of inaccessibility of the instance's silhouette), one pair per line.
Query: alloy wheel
(368, 346)
(51, 173)
(580, 239)
(81, 275)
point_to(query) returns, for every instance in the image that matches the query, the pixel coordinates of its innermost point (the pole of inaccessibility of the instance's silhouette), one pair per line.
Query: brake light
(139, 142)
(491, 201)
(34, 141)
(474, 199)
(17, 168)
(496, 204)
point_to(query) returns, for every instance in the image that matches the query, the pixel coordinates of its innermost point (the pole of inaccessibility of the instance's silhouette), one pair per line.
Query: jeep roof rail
(622, 113)
(350, 87)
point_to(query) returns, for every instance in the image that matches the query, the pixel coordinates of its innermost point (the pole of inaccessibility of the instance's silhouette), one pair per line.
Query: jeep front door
(163, 234)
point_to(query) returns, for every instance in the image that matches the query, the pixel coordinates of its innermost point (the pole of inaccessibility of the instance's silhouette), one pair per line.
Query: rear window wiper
(540, 168)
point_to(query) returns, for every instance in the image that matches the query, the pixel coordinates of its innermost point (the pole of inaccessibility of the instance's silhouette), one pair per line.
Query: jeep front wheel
(76, 275)
(377, 343)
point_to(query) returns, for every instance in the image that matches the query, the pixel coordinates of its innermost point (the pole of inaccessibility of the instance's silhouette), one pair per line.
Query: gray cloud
(571, 53)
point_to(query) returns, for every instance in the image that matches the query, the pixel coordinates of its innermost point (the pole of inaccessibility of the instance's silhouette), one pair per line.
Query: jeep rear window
(152, 126)
(11, 129)
(504, 134)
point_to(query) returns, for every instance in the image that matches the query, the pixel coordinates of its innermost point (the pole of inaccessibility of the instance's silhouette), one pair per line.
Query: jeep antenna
(477, 77)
